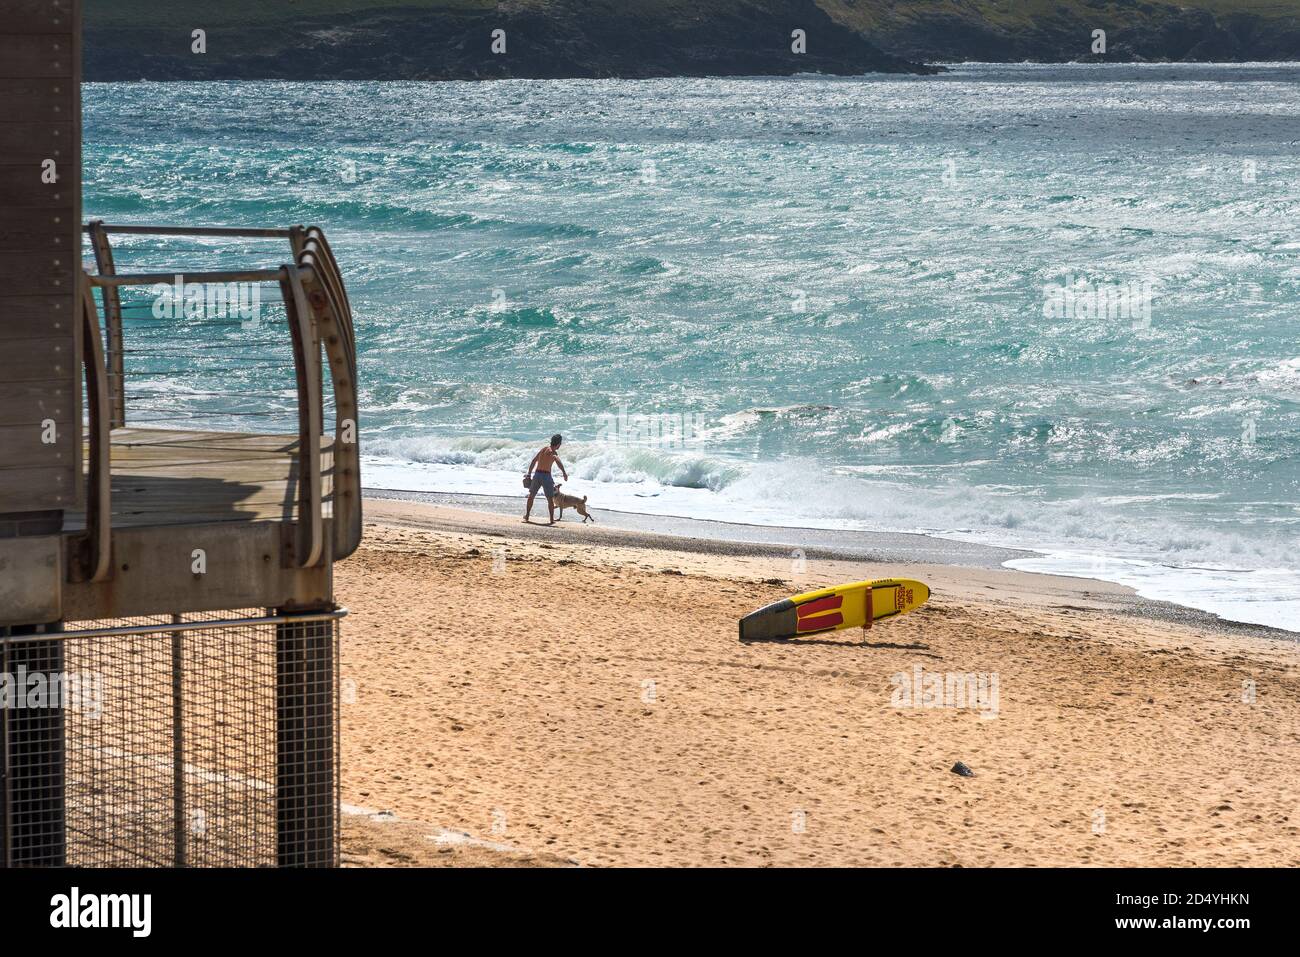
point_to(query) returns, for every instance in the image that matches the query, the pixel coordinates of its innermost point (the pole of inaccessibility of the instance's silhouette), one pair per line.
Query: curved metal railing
(319, 318)
(329, 300)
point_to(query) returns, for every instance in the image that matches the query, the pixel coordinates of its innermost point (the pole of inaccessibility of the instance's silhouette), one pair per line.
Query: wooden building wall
(40, 255)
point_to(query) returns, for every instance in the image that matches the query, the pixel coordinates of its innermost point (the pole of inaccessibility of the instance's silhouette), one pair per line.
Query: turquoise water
(836, 286)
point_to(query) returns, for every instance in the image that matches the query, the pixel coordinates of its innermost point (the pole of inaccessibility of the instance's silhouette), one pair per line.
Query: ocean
(1048, 307)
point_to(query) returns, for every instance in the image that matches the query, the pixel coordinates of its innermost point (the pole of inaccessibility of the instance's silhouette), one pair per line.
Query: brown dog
(579, 505)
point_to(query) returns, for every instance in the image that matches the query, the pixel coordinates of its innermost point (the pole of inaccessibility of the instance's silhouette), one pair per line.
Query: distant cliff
(453, 39)
(1061, 30)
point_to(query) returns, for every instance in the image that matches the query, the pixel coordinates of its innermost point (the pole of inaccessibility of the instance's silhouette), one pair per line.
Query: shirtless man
(539, 476)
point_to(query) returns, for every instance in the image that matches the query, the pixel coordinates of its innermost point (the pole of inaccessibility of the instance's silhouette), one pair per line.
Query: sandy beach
(525, 695)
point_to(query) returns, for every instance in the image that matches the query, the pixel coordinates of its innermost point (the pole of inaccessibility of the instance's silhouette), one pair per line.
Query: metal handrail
(192, 230)
(113, 321)
(334, 319)
(319, 316)
(95, 545)
(170, 627)
(151, 278)
(311, 420)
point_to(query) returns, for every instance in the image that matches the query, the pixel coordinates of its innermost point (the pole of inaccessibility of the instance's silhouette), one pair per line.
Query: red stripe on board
(819, 624)
(820, 605)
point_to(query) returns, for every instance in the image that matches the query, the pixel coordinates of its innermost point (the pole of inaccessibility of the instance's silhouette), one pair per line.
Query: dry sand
(561, 702)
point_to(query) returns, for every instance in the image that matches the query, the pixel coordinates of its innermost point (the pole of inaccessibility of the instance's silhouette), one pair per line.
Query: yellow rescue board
(834, 608)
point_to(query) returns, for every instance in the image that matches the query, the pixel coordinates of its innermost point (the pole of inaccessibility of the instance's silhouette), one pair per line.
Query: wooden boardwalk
(173, 477)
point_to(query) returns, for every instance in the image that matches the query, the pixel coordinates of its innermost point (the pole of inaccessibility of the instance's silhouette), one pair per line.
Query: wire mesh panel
(31, 738)
(307, 785)
(117, 751)
(229, 729)
(187, 742)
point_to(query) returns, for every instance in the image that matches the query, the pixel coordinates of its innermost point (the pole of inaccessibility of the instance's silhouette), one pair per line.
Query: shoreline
(681, 533)
(570, 695)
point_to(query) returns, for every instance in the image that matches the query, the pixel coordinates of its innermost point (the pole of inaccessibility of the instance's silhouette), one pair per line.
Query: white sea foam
(1265, 596)
(1242, 579)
